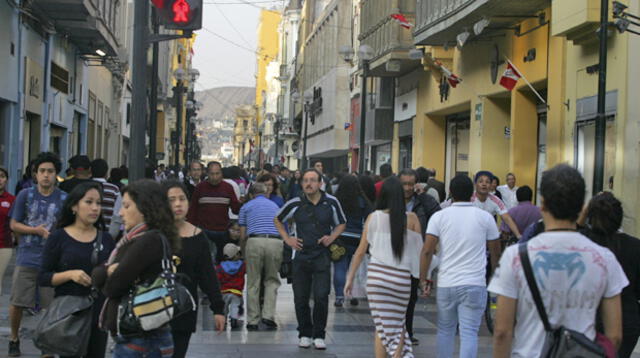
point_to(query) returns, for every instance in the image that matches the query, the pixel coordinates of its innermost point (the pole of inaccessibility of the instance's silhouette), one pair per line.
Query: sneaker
(354, 302)
(414, 341)
(305, 342)
(14, 348)
(252, 327)
(319, 344)
(339, 302)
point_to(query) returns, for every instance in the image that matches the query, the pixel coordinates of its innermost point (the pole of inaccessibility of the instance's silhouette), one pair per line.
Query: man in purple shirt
(525, 213)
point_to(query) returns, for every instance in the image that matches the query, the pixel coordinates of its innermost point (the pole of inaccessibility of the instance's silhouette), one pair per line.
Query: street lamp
(308, 97)
(365, 53)
(180, 75)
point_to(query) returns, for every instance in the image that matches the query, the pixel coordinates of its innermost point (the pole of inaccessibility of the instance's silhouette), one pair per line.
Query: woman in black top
(138, 258)
(196, 265)
(604, 218)
(66, 260)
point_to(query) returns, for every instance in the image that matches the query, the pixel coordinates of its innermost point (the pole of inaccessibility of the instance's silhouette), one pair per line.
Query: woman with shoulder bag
(356, 208)
(68, 255)
(138, 258)
(196, 264)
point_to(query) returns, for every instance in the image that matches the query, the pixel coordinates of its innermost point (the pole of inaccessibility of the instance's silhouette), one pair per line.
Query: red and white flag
(510, 77)
(450, 76)
(402, 20)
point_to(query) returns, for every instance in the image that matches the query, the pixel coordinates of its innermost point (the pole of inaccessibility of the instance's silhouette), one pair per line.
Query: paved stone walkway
(349, 333)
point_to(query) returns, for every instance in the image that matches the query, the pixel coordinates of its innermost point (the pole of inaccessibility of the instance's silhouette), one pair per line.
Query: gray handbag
(65, 327)
(559, 342)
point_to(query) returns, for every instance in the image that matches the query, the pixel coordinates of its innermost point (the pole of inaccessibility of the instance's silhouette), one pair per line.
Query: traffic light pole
(153, 101)
(139, 95)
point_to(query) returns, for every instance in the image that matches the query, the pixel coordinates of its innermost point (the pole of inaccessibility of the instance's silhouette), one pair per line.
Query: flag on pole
(402, 20)
(348, 126)
(510, 77)
(450, 76)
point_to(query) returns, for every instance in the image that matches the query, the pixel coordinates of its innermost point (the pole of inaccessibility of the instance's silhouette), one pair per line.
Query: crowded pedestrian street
(349, 334)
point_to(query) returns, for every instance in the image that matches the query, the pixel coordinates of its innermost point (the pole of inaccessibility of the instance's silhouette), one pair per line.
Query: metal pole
(178, 94)
(304, 145)
(277, 128)
(153, 101)
(363, 116)
(601, 120)
(139, 95)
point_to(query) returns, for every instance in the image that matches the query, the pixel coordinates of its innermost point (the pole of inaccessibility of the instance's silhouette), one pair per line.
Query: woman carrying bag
(71, 252)
(138, 258)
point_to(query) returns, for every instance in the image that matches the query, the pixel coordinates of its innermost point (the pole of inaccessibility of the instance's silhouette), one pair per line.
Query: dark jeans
(155, 344)
(180, 343)
(628, 344)
(312, 276)
(218, 239)
(340, 270)
(411, 307)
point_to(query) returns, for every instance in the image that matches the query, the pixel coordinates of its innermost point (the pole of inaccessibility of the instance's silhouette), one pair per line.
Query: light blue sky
(220, 62)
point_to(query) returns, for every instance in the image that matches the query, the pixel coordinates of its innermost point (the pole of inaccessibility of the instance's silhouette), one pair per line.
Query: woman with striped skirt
(393, 238)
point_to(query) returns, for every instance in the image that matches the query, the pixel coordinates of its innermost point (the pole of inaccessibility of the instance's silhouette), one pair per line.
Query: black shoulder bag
(559, 342)
(65, 327)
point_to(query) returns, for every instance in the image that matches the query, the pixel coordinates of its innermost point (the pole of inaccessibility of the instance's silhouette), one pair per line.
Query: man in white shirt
(483, 199)
(575, 276)
(508, 192)
(463, 233)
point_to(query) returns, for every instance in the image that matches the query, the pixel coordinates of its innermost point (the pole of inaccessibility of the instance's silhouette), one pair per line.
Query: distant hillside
(221, 102)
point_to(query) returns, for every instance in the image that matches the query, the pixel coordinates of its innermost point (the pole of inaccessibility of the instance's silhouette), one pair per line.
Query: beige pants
(5, 257)
(263, 257)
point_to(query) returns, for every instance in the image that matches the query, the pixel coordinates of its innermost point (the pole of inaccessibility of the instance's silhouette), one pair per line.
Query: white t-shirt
(508, 196)
(493, 205)
(573, 274)
(462, 231)
(236, 190)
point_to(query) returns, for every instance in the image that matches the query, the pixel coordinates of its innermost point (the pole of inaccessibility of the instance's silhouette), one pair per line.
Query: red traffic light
(181, 11)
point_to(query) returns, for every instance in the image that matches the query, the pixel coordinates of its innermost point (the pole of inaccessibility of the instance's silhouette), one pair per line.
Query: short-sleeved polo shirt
(257, 216)
(313, 221)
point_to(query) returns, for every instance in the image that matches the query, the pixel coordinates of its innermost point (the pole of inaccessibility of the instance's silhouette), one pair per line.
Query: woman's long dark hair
(392, 199)
(348, 194)
(368, 187)
(67, 218)
(152, 202)
(604, 215)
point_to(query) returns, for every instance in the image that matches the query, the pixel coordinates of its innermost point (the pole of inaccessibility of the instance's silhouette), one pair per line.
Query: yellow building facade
(479, 125)
(267, 51)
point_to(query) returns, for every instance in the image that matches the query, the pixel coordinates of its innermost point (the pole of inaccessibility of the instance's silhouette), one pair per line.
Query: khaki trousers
(263, 259)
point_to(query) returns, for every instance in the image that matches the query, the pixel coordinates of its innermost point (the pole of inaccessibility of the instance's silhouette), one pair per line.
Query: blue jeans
(461, 306)
(156, 344)
(340, 270)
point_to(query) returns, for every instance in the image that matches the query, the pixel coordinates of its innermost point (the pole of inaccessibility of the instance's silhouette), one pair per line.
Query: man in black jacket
(437, 185)
(424, 206)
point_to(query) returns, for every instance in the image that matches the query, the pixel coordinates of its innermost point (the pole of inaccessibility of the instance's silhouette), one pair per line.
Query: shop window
(585, 152)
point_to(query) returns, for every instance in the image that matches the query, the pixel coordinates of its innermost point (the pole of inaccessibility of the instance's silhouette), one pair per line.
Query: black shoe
(339, 302)
(234, 323)
(414, 341)
(354, 301)
(270, 325)
(252, 327)
(14, 348)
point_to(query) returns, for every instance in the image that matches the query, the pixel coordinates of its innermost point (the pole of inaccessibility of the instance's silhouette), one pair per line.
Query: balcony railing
(384, 34)
(90, 24)
(438, 22)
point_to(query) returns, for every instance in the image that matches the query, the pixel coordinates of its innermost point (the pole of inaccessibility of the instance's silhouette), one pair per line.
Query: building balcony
(439, 22)
(390, 42)
(89, 24)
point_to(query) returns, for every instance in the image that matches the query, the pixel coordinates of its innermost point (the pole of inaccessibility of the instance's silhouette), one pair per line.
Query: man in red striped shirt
(210, 204)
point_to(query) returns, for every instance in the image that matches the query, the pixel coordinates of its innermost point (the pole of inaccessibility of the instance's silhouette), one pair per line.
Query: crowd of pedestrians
(235, 235)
